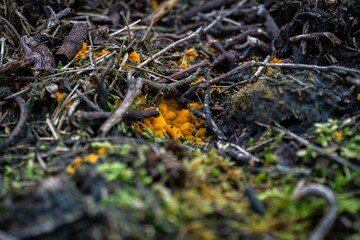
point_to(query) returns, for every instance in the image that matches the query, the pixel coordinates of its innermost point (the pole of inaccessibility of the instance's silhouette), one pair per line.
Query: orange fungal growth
(276, 60)
(92, 158)
(256, 58)
(83, 51)
(191, 54)
(338, 135)
(89, 158)
(135, 57)
(70, 170)
(102, 53)
(154, 4)
(183, 64)
(59, 96)
(102, 150)
(189, 57)
(175, 122)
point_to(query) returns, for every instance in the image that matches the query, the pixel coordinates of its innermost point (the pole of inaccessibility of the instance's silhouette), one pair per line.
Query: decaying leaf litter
(178, 119)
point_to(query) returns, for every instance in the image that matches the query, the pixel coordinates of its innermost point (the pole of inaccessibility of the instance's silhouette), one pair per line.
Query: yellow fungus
(127, 67)
(256, 58)
(102, 53)
(338, 135)
(196, 105)
(135, 57)
(77, 162)
(189, 57)
(173, 131)
(83, 51)
(92, 158)
(183, 63)
(175, 122)
(154, 4)
(59, 96)
(68, 106)
(276, 60)
(102, 150)
(191, 54)
(70, 170)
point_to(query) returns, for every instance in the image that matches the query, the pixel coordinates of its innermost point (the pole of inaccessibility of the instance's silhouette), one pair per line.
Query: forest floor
(219, 119)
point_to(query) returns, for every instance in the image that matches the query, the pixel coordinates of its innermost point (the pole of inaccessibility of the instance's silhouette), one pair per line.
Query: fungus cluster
(83, 51)
(89, 158)
(135, 57)
(175, 122)
(189, 57)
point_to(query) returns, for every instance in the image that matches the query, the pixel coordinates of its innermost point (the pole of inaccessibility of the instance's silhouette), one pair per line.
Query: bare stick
(260, 69)
(134, 89)
(2, 50)
(88, 101)
(130, 114)
(312, 36)
(174, 44)
(14, 34)
(325, 192)
(124, 28)
(172, 87)
(337, 69)
(237, 152)
(22, 119)
(52, 129)
(101, 87)
(242, 67)
(208, 116)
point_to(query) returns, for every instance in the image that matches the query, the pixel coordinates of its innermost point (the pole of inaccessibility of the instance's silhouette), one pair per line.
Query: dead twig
(134, 89)
(20, 124)
(207, 7)
(172, 45)
(315, 35)
(130, 114)
(242, 67)
(135, 85)
(52, 129)
(260, 70)
(50, 25)
(242, 37)
(87, 100)
(2, 51)
(272, 29)
(101, 87)
(208, 116)
(172, 87)
(124, 28)
(301, 190)
(13, 33)
(72, 43)
(238, 153)
(164, 8)
(186, 72)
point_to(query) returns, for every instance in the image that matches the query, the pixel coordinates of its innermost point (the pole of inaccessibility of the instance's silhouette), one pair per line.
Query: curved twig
(134, 90)
(23, 116)
(319, 190)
